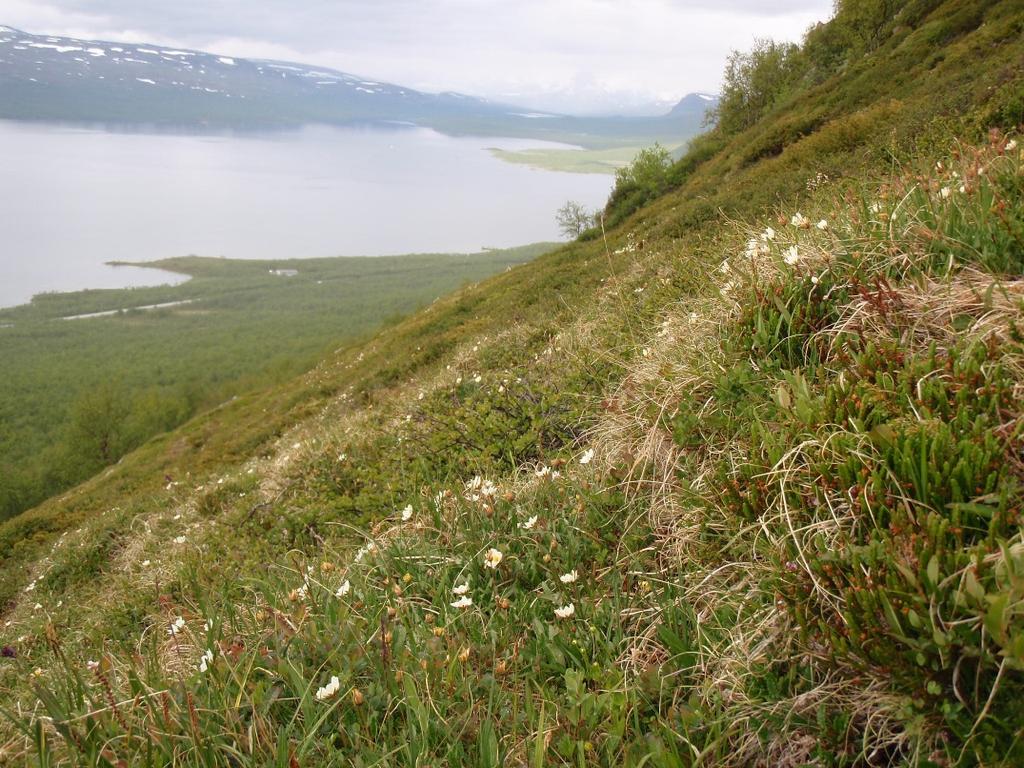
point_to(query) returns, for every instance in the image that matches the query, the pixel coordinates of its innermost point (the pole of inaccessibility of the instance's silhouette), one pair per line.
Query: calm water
(72, 199)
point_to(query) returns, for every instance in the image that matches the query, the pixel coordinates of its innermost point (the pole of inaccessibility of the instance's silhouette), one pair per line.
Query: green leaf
(995, 617)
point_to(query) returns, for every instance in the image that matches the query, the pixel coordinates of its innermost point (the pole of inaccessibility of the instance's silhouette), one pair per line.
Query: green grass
(789, 487)
(571, 160)
(147, 371)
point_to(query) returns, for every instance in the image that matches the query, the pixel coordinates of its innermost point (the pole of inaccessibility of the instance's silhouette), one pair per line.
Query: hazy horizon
(575, 56)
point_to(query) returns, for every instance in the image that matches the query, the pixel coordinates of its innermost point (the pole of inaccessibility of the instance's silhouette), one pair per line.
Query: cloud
(583, 52)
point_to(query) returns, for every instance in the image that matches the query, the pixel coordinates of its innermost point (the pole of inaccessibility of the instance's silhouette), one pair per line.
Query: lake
(72, 198)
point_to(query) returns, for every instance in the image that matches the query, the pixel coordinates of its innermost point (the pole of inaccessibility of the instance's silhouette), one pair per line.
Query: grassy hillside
(735, 482)
(78, 394)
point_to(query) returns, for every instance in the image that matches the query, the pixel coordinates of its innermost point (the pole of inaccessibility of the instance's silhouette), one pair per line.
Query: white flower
(145, 563)
(492, 558)
(208, 626)
(206, 660)
(477, 379)
(461, 589)
(180, 540)
(791, 255)
(799, 220)
(92, 665)
(875, 207)
(822, 225)
(369, 549)
(587, 457)
(463, 602)
(566, 611)
(330, 690)
(1011, 145)
(693, 318)
(343, 589)
(342, 457)
(569, 578)
(529, 523)
(547, 472)
(407, 514)
(945, 192)
(724, 267)
(478, 489)
(176, 626)
(768, 234)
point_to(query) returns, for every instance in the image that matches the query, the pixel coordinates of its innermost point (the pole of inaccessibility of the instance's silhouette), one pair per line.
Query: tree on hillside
(754, 81)
(96, 432)
(642, 180)
(865, 23)
(573, 219)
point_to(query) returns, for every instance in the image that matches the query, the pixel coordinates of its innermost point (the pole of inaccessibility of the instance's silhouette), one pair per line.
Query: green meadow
(77, 394)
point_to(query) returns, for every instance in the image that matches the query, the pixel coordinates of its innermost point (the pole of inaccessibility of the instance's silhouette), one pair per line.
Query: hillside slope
(737, 482)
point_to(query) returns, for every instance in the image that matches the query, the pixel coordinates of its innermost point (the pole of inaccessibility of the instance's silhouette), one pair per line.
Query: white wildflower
(801, 221)
(206, 660)
(330, 690)
(180, 539)
(791, 255)
(566, 611)
(343, 589)
(463, 602)
(587, 457)
(768, 234)
(822, 225)
(569, 578)
(176, 626)
(1011, 145)
(92, 666)
(529, 523)
(461, 589)
(724, 267)
(364, 551)
(407, 513)
(547, 472)
(492, 558)
(945, 192)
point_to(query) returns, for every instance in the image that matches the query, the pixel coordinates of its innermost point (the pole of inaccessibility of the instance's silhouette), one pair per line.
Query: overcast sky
(574, 55)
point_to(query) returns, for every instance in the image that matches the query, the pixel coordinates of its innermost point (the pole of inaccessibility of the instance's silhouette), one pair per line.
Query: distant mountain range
(68, 79)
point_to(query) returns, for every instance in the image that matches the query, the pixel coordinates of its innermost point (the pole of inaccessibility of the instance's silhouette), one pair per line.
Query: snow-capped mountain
(68, 79)
(694, 104)
(43, 77)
